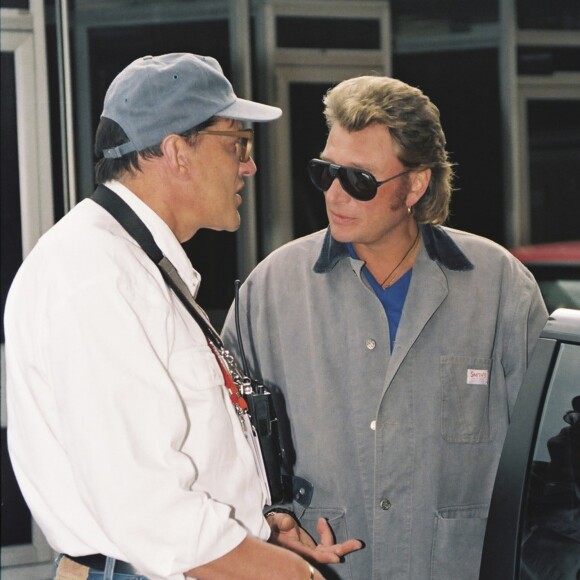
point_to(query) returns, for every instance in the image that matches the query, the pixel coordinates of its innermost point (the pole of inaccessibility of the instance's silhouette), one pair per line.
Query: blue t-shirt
(392, 298)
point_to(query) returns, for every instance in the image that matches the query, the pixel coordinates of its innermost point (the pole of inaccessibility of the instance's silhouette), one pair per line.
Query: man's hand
(287, 533)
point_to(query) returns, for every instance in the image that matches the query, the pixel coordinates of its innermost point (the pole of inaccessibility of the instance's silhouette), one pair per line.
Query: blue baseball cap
(156, 96)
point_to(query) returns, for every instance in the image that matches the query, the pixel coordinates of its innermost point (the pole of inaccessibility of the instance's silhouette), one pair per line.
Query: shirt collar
(438, 243)
(162, 234)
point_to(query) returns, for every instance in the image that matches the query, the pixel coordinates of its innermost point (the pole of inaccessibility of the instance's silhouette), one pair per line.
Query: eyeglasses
(243, 146)
(358, 183)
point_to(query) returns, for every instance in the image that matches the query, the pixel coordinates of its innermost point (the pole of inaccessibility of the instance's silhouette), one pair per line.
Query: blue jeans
(67, 569)
(98, 575)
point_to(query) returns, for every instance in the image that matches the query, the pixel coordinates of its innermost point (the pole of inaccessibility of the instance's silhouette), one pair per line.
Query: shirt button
(371, 344)
(374, 425)
(385, 504)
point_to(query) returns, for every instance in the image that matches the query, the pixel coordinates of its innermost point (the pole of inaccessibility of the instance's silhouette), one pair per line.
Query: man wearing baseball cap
(132, 455)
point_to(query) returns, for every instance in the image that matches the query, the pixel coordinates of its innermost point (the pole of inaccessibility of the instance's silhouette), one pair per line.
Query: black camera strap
(123, 213)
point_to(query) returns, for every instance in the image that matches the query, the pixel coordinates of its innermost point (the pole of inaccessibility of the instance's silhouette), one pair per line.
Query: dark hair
(110, 134)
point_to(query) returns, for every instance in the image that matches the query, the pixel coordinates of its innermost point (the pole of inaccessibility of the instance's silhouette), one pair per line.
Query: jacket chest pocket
(465, 399)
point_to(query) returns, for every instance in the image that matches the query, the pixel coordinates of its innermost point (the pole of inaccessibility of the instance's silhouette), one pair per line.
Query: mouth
(340, 219)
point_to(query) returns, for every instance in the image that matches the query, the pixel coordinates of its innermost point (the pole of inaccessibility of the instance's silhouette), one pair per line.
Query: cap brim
(244, 110)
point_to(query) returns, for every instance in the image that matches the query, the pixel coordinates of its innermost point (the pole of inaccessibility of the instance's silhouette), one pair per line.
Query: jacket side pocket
(458, 542)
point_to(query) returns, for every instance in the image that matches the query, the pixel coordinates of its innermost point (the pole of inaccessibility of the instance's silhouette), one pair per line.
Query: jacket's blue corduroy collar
(439, 245)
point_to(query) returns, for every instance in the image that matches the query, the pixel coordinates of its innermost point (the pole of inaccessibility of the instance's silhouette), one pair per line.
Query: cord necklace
(387, 282)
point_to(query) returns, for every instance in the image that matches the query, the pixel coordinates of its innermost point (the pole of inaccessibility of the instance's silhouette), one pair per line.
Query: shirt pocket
(465, 399)
(213, 426)
(194, 370)
(200, 384)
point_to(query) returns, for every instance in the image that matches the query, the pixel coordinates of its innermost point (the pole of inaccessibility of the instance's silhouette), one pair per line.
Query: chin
(234, 226)
(341, 234)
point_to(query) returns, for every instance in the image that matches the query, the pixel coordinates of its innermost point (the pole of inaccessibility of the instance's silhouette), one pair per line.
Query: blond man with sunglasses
(134, 458)
(397, 344)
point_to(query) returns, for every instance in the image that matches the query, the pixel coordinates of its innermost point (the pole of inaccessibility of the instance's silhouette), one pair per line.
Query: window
(550, 545)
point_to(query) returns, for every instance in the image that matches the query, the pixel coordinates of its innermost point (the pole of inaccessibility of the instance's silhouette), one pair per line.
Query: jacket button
(385, 504)
(373, 425)
(371, 344)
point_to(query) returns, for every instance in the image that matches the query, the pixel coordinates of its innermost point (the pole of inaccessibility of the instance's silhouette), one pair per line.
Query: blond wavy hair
(414, 124)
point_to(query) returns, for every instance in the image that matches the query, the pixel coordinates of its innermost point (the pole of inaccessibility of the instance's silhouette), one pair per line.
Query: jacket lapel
(428, 289)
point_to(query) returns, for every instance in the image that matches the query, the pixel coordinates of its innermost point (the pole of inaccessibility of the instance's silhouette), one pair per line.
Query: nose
(335, 193)
(248, 168)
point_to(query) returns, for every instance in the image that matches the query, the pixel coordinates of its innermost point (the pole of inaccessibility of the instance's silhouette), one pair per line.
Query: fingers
(286, 523)
(288, 534)
(327, 540)
(324, 532)
(349, 546)
(282, 523)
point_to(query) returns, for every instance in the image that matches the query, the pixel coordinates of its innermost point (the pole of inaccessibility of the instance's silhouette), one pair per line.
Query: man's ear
(177, 156)
(419, 183)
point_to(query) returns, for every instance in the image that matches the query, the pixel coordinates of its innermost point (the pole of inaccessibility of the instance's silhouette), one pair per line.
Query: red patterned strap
(235, 395)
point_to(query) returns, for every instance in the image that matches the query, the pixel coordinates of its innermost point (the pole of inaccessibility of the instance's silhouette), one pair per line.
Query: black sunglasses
(358, 183)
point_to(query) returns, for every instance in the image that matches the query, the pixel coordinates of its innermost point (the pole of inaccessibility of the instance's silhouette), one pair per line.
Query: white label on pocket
(476, 377)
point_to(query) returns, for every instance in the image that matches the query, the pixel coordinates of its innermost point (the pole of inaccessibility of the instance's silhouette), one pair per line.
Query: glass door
(26, 212)
(554, 169)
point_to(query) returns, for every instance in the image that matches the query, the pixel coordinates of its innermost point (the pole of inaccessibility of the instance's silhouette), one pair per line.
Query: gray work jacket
(402, 447)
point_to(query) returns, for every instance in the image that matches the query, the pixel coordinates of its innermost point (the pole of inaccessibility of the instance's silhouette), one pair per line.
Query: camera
(263, 418)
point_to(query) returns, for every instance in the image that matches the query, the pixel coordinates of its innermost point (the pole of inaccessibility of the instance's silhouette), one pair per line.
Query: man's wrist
(278, 510)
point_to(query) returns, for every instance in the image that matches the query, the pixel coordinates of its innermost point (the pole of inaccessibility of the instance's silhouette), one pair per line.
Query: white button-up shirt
(121, 433)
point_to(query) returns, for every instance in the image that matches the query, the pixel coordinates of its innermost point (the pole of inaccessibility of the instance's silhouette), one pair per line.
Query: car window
(550, 542)
(560, 293)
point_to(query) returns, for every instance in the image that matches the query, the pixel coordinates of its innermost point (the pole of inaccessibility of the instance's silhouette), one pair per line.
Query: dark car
(556, 267)
(533, 529)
